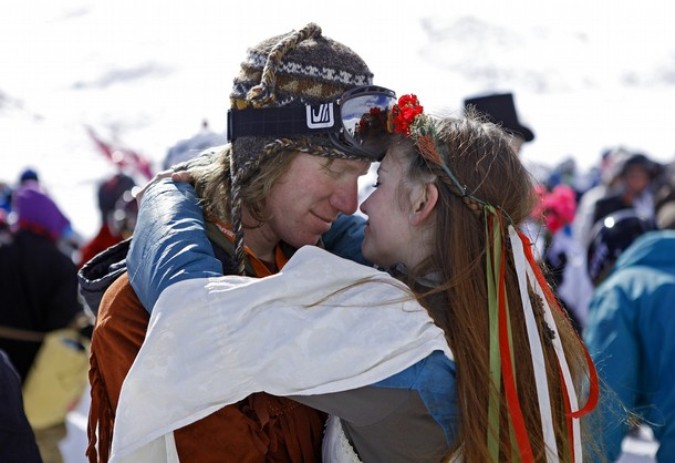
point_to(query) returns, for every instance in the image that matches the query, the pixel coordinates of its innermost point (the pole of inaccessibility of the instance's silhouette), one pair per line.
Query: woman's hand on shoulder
(176, 176)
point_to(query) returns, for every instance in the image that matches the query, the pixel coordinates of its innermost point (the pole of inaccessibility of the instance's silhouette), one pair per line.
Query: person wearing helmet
(184, 150)
(610, 237)
(636, 174)
(109, 193)
(630, 327)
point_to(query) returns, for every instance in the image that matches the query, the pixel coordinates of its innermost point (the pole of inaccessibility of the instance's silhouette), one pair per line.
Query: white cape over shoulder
(212, 342)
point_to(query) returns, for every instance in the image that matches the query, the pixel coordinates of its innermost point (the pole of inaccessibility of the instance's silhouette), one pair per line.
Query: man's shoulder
(101, 271)
(122, 321)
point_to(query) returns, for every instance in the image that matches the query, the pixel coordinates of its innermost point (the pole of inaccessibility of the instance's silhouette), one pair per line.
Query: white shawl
(212, 342)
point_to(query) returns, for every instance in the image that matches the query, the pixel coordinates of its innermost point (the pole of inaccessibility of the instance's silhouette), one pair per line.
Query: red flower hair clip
(407, 118)
(403, 114)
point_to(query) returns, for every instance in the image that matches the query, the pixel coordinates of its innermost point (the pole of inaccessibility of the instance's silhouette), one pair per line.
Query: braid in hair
(235, 199)
(475, 206)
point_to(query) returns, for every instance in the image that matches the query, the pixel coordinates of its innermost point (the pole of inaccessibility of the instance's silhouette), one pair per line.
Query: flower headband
(408, 119)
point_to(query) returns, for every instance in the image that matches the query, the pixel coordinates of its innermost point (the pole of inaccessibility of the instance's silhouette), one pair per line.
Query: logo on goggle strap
(320, 117)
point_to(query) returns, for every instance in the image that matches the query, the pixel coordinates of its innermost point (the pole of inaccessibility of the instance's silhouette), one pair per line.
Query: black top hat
(500, 109)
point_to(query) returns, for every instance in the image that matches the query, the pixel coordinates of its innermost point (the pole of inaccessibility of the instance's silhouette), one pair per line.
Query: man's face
(306, 200)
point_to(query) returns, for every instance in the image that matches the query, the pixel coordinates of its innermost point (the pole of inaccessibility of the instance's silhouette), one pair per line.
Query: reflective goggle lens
(364, 113)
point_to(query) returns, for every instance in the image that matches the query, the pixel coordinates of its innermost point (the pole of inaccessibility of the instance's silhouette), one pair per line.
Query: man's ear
(424, 204)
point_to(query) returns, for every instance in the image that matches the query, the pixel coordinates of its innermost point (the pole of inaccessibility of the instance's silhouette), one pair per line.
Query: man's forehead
(351, 166)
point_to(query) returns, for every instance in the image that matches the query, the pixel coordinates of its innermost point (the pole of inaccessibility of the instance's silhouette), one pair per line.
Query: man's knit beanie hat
(297, 68)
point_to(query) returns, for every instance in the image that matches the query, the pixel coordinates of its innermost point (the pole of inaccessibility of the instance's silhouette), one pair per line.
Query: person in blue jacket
(443, 219)
(630, 337)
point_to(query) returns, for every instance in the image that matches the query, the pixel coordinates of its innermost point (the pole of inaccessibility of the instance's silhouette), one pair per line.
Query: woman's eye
(376, 184)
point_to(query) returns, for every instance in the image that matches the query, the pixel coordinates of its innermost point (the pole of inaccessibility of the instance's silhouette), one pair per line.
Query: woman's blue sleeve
(169, 242)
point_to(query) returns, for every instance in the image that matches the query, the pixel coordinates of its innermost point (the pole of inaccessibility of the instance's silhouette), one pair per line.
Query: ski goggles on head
(356, 121)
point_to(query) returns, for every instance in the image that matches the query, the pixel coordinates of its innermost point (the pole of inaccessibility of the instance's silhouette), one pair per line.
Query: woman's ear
(424, 204)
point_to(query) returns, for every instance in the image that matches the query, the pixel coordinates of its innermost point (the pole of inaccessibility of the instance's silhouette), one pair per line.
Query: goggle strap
(286, 120)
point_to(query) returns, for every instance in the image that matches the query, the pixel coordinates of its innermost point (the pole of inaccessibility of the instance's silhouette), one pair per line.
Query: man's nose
(346, 199)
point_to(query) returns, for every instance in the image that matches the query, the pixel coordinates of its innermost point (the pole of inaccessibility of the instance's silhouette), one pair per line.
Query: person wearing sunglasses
(299, 141)
(458, 353)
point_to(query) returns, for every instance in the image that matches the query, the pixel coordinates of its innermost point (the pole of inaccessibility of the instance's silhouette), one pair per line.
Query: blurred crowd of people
(605, 238)
(41, 252)
(44, 325)
(571, 210)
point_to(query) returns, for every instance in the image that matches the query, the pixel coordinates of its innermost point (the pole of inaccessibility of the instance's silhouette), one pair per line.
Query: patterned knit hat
(293, 69)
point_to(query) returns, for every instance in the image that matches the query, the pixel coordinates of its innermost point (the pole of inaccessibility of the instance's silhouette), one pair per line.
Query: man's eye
(333, 173)
(376, 184)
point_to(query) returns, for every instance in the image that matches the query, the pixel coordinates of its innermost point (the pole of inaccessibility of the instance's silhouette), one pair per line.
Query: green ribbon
(495, 361)
(494, 257)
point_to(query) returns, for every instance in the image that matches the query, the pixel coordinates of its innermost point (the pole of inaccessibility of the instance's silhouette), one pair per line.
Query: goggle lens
(364, 122)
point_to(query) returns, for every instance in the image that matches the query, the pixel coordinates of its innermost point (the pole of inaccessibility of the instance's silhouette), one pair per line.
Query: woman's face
(389, 235)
